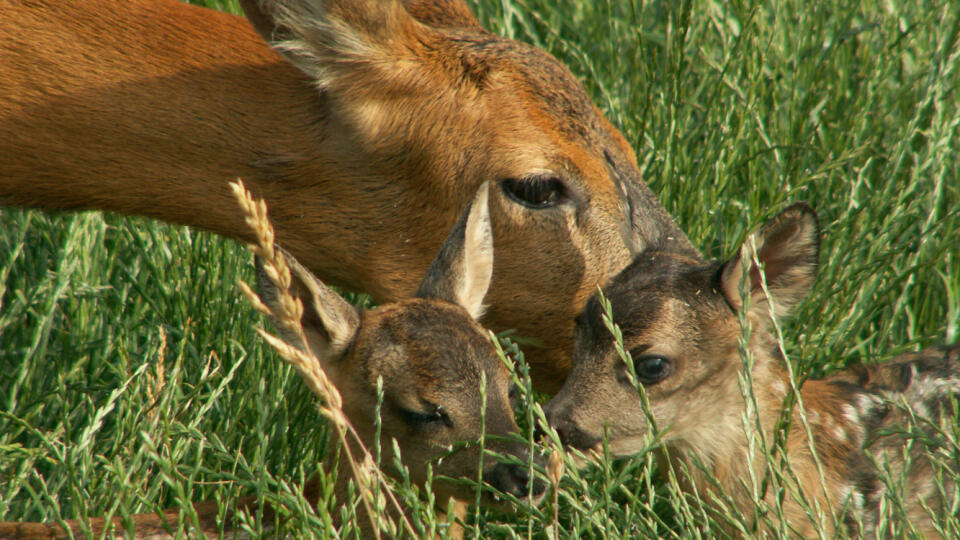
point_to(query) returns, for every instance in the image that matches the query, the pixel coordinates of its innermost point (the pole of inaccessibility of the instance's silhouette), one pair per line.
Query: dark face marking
(638, 293)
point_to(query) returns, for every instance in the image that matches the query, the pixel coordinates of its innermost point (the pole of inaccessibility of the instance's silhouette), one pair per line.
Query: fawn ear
(329, 322)
(462, 270)
(320, 36)
(787, 249)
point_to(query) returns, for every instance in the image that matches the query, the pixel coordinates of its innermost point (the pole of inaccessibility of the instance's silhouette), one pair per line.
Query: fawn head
(433, 358)
(681, 322)
(427, 105)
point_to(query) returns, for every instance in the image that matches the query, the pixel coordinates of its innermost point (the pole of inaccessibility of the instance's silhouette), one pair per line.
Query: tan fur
(432, 357)
(718, 430)
(148, 526)
(366, 137)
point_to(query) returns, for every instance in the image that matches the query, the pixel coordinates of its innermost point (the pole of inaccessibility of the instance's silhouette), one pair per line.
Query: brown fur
(162, 525)
(685, 310)
(366, 154)
(431, 355)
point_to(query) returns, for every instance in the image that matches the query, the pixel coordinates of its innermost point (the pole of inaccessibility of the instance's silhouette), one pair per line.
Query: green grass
(735, 109)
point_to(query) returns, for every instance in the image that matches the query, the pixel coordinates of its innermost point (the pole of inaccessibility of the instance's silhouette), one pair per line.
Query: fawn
(431, 355)
(680, 318)
(364, 114)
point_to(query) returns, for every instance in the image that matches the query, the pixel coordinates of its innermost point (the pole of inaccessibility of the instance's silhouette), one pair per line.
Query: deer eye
(652, 369)
(513, 394)
(536, 193)
(436, 416)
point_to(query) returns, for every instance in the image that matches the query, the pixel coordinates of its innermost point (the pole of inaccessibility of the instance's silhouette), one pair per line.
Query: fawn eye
(513, 394)
(652, 369)
(436, 416)
(536, 193)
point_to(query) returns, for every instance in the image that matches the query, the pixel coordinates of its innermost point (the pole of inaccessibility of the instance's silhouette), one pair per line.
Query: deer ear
(329, 322)
(787, 249)
(318, 36)
(462, 270)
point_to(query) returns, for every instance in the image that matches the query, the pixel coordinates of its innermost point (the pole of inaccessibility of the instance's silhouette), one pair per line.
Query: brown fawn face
(680, 320)
(420, 94)
(440, 375)
(682, 340)
(439, 370)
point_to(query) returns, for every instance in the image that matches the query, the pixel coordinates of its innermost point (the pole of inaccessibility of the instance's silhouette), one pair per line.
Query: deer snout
(570, 433)
(515, 480)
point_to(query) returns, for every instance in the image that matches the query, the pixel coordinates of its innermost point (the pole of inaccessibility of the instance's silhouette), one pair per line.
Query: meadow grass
(132, 377)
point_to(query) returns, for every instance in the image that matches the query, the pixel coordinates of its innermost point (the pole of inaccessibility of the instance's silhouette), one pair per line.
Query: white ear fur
(478, 255)
(318, 35)
(329, 322)
(463, 268)
(787, 249)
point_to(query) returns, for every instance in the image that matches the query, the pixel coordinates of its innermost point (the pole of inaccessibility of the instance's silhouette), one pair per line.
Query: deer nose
(558, 420)
(570, 434)
(515, 480)
(539, 434)
(521, 475)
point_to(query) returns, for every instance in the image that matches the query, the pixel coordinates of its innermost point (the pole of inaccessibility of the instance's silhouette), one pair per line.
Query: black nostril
(521, 476)
(523, 485)
(571, 435)
(538, 488)
(539, 434)
(513, 479)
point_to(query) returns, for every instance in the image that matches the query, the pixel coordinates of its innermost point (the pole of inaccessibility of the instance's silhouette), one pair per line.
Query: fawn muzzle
(515, 480)
(570, 433)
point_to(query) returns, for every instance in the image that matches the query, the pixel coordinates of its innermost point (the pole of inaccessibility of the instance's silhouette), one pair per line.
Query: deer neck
(169, 111)
(158, 124)
(729, 458)
(738, 465)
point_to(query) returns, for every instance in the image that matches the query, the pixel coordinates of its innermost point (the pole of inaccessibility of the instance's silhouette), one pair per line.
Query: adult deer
(681, 321)
(442, 383)
(366, 129)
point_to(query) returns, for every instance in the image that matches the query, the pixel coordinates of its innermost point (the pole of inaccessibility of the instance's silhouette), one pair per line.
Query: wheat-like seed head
(555, 466)
(289, 310)
(308, 366)
(288, 314)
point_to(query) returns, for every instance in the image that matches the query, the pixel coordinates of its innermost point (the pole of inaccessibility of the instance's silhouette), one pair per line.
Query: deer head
(681, 322)
(419, 89)
(367, 135)
(434, 361)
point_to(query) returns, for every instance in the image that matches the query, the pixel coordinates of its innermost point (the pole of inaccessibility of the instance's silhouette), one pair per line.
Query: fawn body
(432, 357)
(681, 322)
(366, 135)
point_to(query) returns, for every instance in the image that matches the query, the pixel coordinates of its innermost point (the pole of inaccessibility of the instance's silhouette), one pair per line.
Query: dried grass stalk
(288, 313)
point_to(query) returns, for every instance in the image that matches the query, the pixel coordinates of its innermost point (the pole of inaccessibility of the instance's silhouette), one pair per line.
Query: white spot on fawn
(779, 388)
(865, 403)
(850, 414)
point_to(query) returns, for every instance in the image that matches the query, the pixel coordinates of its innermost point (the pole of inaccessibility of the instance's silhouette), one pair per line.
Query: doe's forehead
(557, 89)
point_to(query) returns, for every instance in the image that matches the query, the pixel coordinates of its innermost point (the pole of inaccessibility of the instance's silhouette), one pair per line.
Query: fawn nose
(515, 480)
(539, 434)
(570, 434)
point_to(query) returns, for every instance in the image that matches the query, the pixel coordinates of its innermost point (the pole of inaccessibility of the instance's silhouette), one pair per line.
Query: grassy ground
(131, 377)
